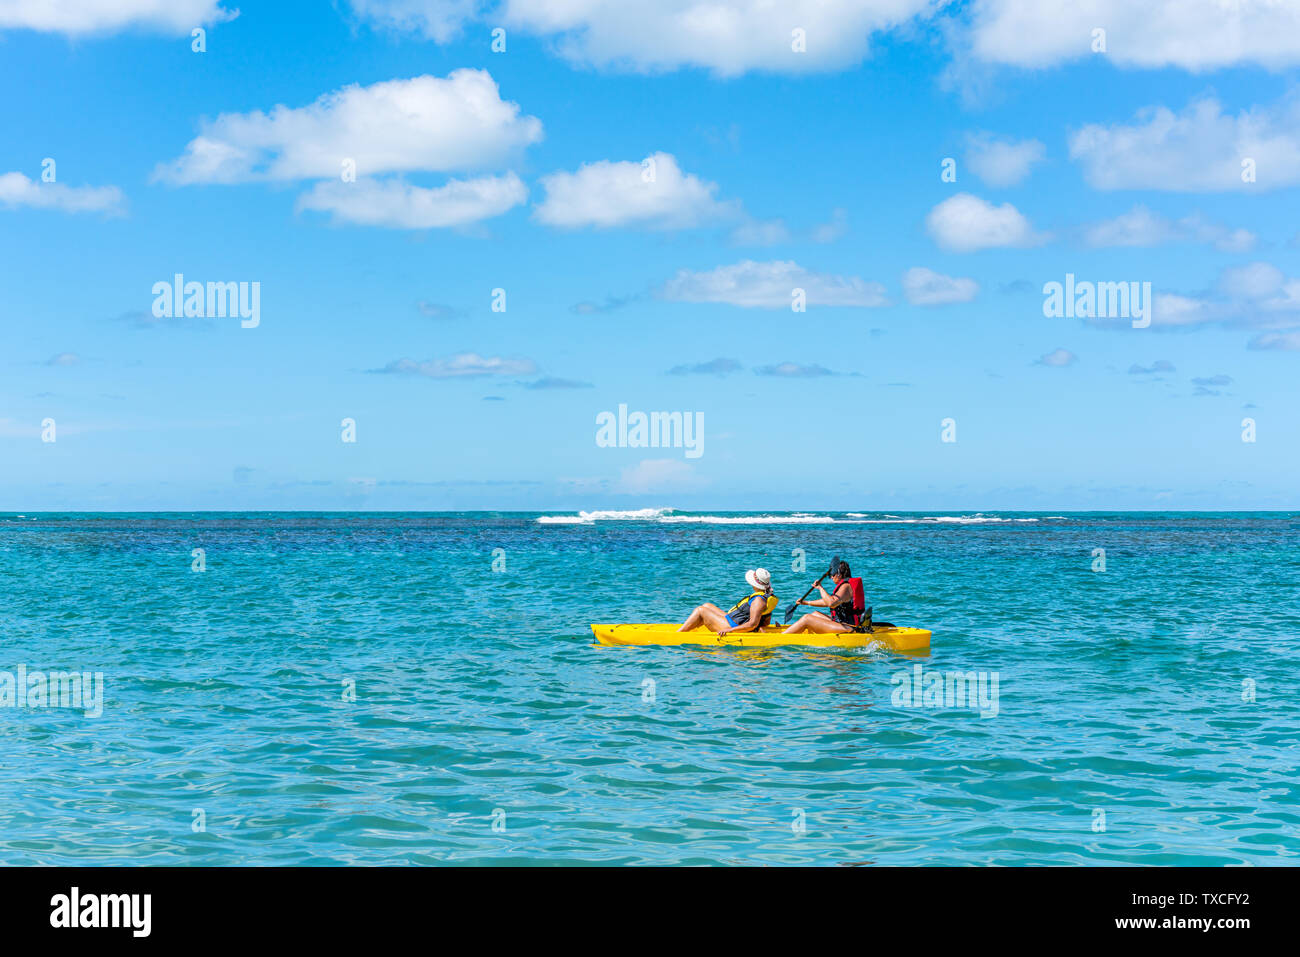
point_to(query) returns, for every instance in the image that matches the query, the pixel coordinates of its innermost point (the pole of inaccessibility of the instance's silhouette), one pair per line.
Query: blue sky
(524, 170)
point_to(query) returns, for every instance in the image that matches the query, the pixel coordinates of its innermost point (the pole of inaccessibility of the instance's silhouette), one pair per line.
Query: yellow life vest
(742, 607)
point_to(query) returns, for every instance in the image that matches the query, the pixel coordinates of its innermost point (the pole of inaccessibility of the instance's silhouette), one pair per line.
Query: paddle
(789, 612)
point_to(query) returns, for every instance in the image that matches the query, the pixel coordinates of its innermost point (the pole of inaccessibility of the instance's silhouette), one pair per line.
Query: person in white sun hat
(752, 611)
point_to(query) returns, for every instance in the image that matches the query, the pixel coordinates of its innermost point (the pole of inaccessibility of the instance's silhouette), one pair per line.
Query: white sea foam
(799, 519)
(669, 516)
(977, 519)
(608, 515)
(937, 520)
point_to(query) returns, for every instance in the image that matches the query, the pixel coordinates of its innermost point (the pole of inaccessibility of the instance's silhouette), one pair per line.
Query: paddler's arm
(826, 601)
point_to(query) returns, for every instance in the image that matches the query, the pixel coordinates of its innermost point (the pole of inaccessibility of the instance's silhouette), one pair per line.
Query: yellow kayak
(895, 639)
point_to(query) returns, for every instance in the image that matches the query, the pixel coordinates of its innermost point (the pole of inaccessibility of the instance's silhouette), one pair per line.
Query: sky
(821, 231)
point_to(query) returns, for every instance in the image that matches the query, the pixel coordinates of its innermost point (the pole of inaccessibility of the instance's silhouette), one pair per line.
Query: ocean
(424, 688)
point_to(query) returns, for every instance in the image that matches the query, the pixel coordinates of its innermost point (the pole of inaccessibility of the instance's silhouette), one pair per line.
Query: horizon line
(543, 511)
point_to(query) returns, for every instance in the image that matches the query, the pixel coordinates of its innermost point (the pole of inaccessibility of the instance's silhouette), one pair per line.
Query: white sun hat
(759, 579)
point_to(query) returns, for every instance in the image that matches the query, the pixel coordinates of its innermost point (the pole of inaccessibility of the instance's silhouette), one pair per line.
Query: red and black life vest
(850, 613)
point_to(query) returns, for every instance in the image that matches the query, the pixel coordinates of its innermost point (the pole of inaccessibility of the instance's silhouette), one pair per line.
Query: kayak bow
(895, 639)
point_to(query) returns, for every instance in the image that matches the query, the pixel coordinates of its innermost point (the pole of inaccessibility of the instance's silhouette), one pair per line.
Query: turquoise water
(488, 728)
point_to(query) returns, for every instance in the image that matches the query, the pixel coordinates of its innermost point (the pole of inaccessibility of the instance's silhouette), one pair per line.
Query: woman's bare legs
(707, 614)
(818, 624)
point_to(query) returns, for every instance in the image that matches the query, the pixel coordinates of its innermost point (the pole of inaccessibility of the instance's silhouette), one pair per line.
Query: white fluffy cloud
(463, 365)
(1255, 281)
(1057, 358)
(424, 123)
(833, 229)
(400, 205)
(17, 190)
(770, 285)
(1002, 162)
(101, 16)
(437, 20)
(1190, 34)
(773, 232)
(1260, 294)
(653, 192)
(1284, 341)
(925, 287)
(1199, 149)
(1142, 227)
(1175, 310)
(728, 37)
(793, 370)
(966, 223)
(1255, 296)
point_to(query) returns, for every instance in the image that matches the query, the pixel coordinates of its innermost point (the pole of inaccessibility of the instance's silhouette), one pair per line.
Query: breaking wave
(670, 516)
